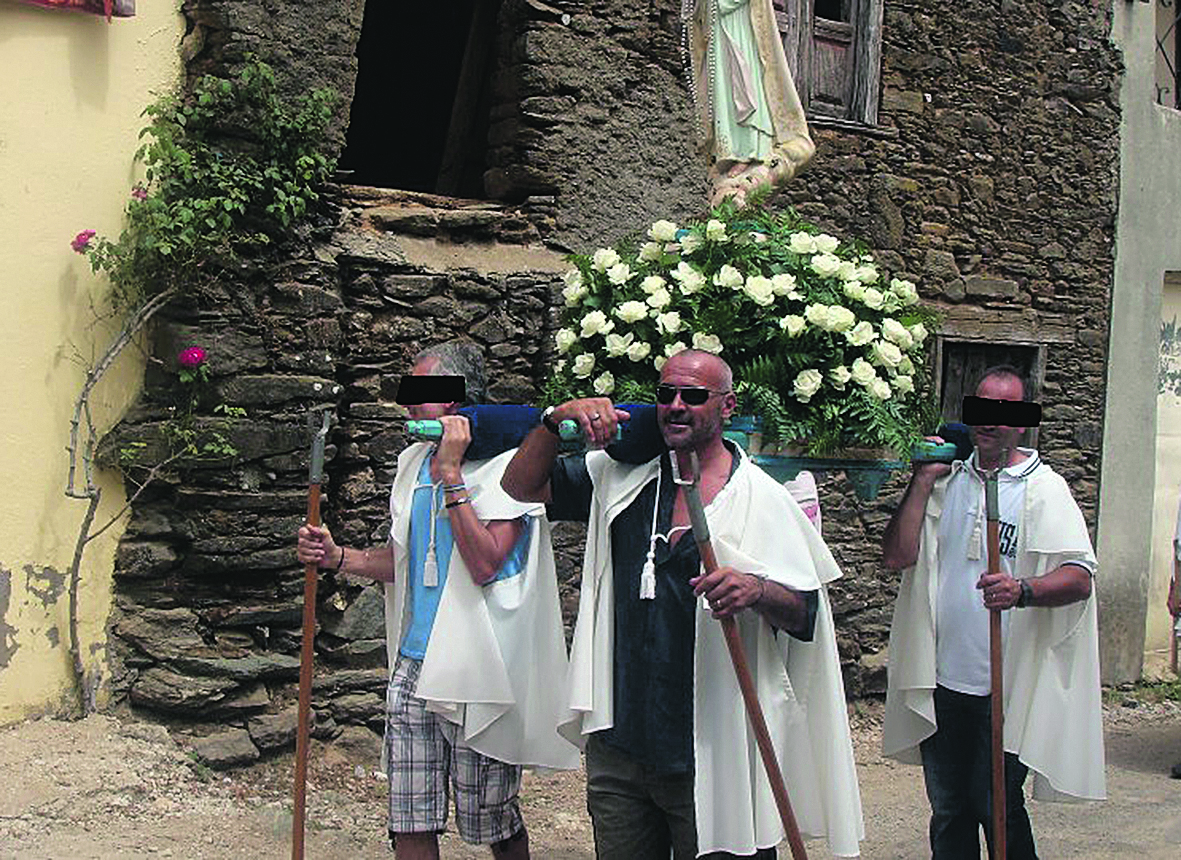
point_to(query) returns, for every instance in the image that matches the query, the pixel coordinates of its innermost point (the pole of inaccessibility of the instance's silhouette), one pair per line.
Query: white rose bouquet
(828, 350)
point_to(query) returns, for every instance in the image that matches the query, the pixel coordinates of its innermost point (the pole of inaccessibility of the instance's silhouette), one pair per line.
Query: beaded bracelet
(458, 502)
(453, 488)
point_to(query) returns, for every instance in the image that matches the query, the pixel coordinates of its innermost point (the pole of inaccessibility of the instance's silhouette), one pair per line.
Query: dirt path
(102, 788)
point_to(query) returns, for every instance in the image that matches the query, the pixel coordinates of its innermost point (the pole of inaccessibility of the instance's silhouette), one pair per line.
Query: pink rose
(139, 192)
(81, 242)
(192, 358)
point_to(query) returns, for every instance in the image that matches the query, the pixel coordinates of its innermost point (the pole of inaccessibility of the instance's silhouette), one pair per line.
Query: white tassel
(648, 579)
(430, 570)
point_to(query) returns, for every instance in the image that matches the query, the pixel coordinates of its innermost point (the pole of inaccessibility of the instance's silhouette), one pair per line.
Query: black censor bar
(414, 390)
(985, 412)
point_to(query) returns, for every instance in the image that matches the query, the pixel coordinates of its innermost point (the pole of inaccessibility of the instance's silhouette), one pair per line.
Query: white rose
(617, 344)
(861, 334)
(728, 276)
(906, 366)
(918, 332)
(673, 348)
(715, 230)
(596, 322)
(639, 350)
(840, 376)
(826, 265)
(690, 242)
(669, 322)
(903, 384)
(880, 389)
(847, 271)
(873, 299)
(817, 314)
(896, 332)
(604, 259)
(559, 365)
(689, 278)
(631, 311)
(758, 238)
(618, 274)
(840, 318)
(759, 289)
(584, 363)
(604, 384)
(886, 354)
(866, 274)
(862, 372)
(707, 342)
(564, 338)
(659, 299)
(826, 244)
(650, 252)
(854, 290)
(652, 283)
(573, 293)
(807, 383)
(662, 231)
(572, 278)
(802, 243)
(793, 324)
(659, 362)
(784, 284)
(906, 291)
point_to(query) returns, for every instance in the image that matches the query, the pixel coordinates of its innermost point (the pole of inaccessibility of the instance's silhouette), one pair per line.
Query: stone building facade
(989, 178)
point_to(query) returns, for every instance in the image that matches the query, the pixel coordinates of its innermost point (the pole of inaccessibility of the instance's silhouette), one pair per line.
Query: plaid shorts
(427, 763)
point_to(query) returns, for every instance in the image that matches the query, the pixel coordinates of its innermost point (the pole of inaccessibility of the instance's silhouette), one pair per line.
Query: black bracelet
(340, 563)
(548, 422)
(1026, 597)
(458, 502)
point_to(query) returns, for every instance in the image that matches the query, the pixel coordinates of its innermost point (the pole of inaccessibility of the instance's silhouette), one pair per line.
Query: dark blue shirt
(653, 655)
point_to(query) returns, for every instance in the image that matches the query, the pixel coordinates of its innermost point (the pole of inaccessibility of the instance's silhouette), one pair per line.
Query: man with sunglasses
(473, 627)
(937, 701)
(671, 762)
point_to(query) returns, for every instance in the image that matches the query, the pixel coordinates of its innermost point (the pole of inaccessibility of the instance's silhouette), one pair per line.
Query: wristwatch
(547, 420)
(1026, 597)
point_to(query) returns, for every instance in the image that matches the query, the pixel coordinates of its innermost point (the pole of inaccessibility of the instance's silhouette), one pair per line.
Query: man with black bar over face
(937, 702)
(671, 761)
(473, 626)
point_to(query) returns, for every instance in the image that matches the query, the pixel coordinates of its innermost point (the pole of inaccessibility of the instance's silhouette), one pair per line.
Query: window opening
(1168, 87)
(419, 118)
(961, 363)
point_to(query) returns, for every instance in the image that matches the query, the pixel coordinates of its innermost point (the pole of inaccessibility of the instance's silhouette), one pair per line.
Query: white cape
(757, 528)
(1053, 710)
(496, 657)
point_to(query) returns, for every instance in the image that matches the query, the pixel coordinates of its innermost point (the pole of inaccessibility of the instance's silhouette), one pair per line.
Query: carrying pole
(992, 508)
(750, 699)
(311, 572)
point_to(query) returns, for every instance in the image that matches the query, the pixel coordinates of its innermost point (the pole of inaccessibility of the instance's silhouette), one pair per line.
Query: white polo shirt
(961, 619)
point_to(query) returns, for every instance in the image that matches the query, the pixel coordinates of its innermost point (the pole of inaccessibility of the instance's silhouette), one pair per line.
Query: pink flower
(139, 192)
(192, 358)
(81, 242)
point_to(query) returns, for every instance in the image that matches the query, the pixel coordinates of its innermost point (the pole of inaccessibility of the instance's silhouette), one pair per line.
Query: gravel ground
(109, 788)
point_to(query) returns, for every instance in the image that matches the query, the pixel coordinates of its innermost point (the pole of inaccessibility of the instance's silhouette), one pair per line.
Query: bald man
(671, 761)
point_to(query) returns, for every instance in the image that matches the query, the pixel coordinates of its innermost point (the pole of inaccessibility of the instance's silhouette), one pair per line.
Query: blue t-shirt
(427, 505)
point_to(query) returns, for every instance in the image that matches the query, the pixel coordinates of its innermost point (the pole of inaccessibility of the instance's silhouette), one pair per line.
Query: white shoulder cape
(757, 528)
(1053, 710)
(496, 657)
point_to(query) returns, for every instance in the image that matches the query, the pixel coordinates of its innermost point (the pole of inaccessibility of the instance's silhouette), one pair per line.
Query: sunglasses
(666, 394)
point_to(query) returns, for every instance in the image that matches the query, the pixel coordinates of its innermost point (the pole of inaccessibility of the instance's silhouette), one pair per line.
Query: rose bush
(827, 349)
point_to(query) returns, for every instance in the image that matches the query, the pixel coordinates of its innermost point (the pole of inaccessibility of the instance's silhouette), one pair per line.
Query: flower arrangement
(826, 348)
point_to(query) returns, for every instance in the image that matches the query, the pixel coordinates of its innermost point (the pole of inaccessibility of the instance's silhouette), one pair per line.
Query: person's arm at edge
(900, 543)
(315, 546)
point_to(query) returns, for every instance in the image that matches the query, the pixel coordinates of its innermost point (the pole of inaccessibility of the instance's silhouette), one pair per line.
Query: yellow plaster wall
(72, 88)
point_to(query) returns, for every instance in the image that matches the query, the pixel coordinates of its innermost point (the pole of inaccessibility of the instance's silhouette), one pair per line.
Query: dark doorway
(964, 362)
(419, 117)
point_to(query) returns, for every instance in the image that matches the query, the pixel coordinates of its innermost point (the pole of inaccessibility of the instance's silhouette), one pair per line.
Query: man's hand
(314, 545)
(597, 417)
(448, 460)
(728, 591)
(930, 471)
(1001, 591)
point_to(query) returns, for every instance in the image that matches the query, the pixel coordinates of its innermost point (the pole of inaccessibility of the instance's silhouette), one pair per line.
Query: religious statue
(750, 112)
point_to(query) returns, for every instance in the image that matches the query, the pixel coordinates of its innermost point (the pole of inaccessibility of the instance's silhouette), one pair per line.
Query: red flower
(192, 358)
(81, 242)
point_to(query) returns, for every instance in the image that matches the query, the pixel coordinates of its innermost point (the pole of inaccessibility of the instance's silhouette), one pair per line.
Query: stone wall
(991, 181)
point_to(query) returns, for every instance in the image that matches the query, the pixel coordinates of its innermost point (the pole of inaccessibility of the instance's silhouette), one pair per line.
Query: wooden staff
(754, 710)
(311, 572)
(992, 508)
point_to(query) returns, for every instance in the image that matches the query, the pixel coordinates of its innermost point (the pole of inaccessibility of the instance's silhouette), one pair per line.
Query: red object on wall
(107, 8)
